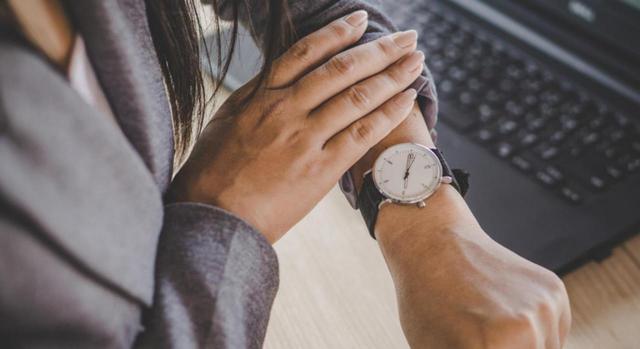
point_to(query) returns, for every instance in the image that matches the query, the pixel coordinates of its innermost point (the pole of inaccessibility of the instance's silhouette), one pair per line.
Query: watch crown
(421, 204)
(446, 180)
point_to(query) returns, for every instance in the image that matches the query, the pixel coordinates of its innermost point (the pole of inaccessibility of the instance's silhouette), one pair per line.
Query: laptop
(540, 102)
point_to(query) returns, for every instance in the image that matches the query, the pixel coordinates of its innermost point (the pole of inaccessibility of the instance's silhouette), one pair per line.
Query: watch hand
(406, 168)
(412, 158)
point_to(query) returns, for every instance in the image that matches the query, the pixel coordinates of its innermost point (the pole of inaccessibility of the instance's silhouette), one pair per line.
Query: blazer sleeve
(216, 279)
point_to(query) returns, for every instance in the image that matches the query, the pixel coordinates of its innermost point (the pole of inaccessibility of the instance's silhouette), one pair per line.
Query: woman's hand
(457, 288)
(270, 161)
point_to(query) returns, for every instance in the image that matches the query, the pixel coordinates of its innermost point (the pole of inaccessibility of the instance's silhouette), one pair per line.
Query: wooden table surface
(335, 290)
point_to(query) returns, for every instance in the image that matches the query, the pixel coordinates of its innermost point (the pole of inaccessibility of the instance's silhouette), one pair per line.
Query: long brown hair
(177, 31)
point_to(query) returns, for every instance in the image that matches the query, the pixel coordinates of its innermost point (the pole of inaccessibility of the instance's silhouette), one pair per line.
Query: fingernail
(405, 39)
(414, 61)
(356, 18)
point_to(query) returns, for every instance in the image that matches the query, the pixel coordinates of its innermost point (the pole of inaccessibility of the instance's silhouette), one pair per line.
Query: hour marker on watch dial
(407, 173)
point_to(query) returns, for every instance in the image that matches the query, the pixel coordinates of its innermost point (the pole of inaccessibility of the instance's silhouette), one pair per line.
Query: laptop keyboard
(558, 135)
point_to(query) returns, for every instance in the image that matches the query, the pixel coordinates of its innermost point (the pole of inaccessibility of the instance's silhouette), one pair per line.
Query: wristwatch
(406, 174)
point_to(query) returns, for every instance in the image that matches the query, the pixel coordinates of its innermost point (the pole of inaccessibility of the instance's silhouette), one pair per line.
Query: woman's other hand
(270, 161)
(458, 288)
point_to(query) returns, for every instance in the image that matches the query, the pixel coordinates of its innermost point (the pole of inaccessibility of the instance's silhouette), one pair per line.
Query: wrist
(412, 130)
(403, 228)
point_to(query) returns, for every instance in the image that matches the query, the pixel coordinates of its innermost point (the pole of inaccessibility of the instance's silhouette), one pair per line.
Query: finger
(317, 47)
(550, 314)
(362, 98)
(346, 147)
(351, 66)
(565, 320)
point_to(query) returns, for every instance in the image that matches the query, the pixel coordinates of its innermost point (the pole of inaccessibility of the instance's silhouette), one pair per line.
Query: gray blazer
(89, 254)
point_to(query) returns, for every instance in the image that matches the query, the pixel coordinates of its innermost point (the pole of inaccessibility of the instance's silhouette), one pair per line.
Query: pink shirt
(83, 79)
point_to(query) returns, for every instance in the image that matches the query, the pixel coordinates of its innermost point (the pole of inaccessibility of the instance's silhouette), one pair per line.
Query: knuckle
(362, 133)
(312, 168)
(553, 284)
(339, 29)
(293, 94)
(303, 138)
(341, 63)
(559, 291)
(386, 46)
(358, 96)
(302, 51)
(546, 310)
(275, 76)
(521, 325)
(272, 110)
(295, 138)
(527, 327)
(392, 110)
(396, 77)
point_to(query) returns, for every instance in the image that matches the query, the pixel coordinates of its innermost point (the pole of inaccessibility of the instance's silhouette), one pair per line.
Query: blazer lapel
(71, 176)
(120, 46)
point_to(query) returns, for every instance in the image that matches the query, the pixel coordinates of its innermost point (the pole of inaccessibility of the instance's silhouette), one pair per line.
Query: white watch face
(407, 173)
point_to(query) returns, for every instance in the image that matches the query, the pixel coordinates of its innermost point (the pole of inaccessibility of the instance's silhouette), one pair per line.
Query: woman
(93, 256)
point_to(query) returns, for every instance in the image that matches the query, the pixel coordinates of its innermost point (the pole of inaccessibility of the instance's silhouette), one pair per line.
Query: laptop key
(555, 173)
(514, 109)
(475, 85)
(597, 182)
(616, 135)
(633, 165)
(546, 179)
(614, 172)
(485, 135)
(558, 137)
(528, 139)
(521, 163)
(457, 74)
(598, 123)
(571, 194)
(495, 97)
(467, 100)
(569, 124)
(504, 149)
(547, 152)
(590, 138)
(446, 89)
(621, 119)
(486, 113)
(536, 124)
(507, 127)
